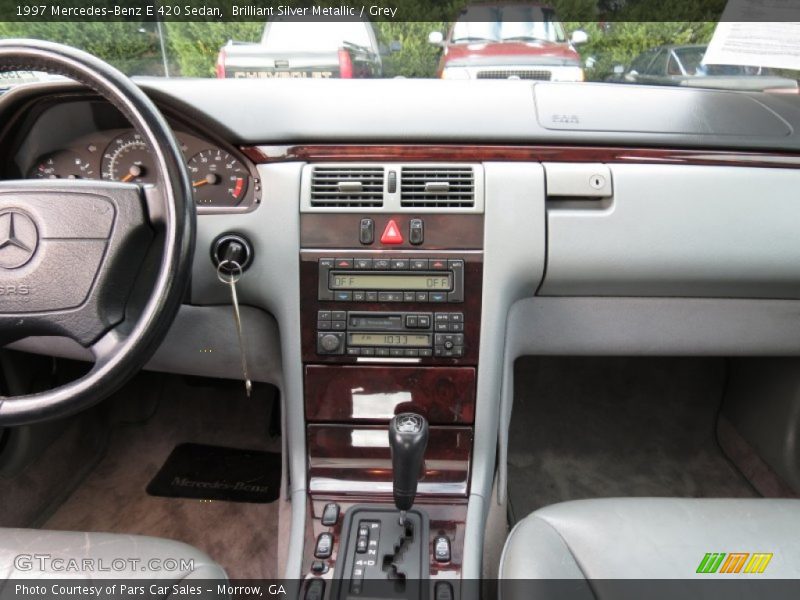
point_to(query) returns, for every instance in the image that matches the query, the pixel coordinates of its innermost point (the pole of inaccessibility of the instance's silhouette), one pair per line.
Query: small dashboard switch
(441, 549)
(315, 589)
(416, 231)
(366, 231)
(330, 514)
(443, 591)
(324, 546)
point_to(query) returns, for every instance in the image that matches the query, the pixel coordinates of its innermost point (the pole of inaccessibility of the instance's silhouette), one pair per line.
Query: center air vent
(347, 187)
(437, 187)
(392, 187)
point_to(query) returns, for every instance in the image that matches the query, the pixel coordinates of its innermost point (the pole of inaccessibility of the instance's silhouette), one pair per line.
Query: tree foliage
(131, 47)
(619, 43)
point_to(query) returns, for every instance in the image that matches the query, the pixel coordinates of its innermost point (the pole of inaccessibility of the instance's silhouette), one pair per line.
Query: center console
(390, 319)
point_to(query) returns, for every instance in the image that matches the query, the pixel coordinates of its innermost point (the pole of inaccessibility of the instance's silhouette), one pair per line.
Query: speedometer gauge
(218, 178)
(128, 159)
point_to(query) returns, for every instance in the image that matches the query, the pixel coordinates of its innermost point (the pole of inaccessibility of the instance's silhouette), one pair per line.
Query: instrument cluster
(220, 178)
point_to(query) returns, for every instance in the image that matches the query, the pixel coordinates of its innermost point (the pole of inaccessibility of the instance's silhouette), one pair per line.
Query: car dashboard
(411, 239)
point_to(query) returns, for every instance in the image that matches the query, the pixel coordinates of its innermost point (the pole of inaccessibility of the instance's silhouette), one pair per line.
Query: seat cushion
(34, 553)
(653, 538)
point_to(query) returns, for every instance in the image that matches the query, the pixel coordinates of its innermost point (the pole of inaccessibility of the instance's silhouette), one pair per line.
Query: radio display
(393, 340)
(376, 281)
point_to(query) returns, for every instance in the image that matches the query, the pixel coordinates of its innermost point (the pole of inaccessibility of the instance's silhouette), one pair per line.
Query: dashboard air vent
(347, 186)
(437, 187)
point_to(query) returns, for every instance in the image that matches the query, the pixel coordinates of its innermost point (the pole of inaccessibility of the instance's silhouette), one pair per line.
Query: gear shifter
(408, 437)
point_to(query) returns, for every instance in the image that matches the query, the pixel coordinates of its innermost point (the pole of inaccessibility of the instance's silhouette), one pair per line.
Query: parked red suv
(509, 41)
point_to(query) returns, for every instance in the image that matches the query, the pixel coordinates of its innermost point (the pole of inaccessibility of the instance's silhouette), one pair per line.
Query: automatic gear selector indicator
(379, 557)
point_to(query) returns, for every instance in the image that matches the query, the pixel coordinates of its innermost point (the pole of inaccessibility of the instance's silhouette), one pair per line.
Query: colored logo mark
(734, 562)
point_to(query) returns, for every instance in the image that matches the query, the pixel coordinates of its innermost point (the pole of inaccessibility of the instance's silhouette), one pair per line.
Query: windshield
(562, 41)
(691, 59)
(512, 23)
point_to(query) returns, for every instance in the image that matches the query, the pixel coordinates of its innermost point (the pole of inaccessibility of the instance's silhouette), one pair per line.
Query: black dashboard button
(366, 231)
(443, 591)
(419, 264)
(441, 549)
(400, 264)
(344, 263)
(324, 545)
(416, 232)
(315, 589)
(362, 263)
(330, 514)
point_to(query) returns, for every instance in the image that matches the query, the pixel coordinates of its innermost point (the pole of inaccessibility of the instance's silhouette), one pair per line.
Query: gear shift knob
(408, 437)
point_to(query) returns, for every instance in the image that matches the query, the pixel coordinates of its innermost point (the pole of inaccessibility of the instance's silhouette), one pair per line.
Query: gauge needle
(209, 179)
(134, 171)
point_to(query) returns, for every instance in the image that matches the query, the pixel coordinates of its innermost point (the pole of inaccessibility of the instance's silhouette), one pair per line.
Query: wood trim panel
(340, 230)
(443, 395)
(477, 153)
(356, 460)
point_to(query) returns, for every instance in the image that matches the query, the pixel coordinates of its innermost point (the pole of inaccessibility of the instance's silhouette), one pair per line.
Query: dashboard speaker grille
(437, 187)
(347, 186)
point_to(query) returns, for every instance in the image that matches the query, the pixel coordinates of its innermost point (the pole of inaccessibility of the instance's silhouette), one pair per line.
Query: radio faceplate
(387, 334)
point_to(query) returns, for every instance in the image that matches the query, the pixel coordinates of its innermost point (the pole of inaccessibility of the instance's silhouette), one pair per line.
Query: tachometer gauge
(128, 159)
(63, 164)
(218, 178)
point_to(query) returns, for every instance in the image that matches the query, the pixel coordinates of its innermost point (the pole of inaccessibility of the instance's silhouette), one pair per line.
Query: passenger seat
(651, 538)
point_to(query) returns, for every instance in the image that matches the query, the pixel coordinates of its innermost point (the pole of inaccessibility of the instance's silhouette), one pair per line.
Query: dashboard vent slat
(437, 187)
(347, 187)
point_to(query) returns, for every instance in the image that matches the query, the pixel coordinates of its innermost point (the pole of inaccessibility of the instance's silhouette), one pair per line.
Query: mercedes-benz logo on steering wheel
(18, 238)
(409, 424)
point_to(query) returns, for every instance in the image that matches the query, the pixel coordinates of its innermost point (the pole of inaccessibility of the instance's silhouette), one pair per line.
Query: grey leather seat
(34, 553)
(650, 538)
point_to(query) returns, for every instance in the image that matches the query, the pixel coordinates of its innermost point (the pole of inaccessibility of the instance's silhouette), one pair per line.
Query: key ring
(232, 276)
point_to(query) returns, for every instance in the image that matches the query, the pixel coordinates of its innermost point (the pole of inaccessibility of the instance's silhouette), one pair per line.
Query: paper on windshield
(745, 36)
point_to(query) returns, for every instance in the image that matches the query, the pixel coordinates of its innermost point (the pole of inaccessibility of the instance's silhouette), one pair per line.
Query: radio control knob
(329, 342)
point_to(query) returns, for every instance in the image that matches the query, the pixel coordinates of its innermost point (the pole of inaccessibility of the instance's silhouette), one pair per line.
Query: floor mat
(605, 427)
(242, 537)
(218, 473)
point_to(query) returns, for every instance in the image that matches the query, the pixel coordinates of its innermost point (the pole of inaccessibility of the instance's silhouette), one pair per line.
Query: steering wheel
(75, 254)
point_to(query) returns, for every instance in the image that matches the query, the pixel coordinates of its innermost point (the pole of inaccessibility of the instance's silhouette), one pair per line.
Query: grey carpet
(243, 538)
(605, 427)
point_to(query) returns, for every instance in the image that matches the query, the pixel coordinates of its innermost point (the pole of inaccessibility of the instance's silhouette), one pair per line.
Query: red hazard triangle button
(391, 235)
